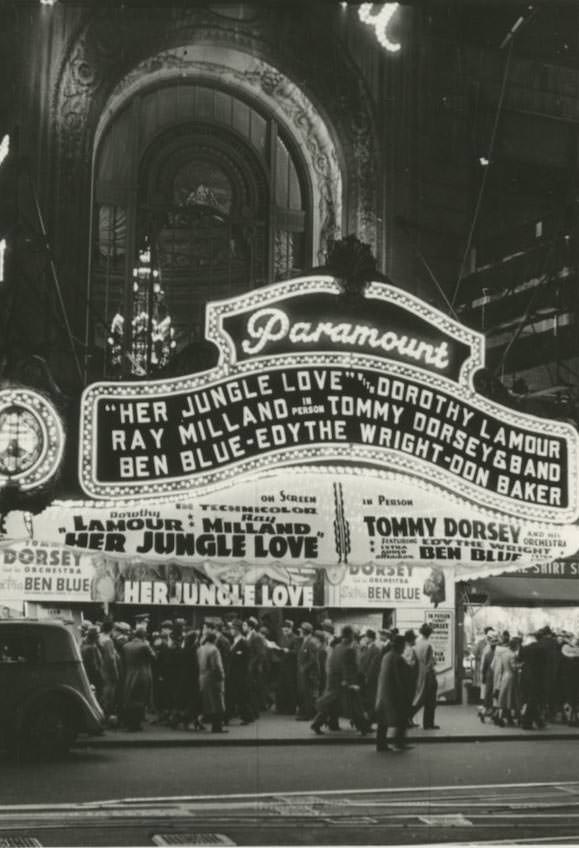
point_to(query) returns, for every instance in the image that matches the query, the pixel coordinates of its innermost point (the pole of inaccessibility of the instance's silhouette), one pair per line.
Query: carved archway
(113, 45)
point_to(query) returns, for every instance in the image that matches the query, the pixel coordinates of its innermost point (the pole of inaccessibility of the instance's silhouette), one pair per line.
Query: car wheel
(49, 730)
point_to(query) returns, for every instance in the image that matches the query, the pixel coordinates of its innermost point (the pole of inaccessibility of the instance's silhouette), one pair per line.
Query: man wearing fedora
(308, 673)
(426, 684)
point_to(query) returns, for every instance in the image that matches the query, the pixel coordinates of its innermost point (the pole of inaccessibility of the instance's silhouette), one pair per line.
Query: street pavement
(457, 723)
(297, 794)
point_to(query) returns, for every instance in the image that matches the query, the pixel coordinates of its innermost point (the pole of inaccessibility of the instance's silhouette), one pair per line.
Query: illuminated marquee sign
(31, 439)
(309, 375)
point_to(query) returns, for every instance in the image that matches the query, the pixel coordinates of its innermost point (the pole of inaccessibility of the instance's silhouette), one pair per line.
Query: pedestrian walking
(392, 701)
(309, 673)
(342, 695)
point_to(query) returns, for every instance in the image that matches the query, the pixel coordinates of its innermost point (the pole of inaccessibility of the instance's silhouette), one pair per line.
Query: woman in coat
(504, 682)
(392, 701)
(212, 682)
(487, 680)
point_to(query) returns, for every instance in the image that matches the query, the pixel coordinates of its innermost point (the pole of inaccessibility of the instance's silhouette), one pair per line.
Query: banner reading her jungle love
(44, 572)
(309, 375)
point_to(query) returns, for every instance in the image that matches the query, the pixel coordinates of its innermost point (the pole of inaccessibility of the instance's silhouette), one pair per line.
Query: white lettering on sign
(271, 325)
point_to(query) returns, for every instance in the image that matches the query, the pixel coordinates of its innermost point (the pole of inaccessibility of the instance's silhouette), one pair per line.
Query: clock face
(21, 440)
(31, 438)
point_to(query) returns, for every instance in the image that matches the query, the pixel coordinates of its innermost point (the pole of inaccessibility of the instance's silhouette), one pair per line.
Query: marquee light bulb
(2, 257)
(4, 148)
(380, 20)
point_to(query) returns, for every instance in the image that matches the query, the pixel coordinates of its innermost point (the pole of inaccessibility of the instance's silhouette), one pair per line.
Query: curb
(111, 742)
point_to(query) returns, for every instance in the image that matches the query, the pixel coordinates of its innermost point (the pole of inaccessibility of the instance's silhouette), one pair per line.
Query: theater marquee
(308, 375)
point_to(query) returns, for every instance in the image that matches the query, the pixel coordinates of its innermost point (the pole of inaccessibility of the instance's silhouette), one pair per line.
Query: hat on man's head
(288, 623)
(370, 634)
(142, 616)
(307, 627)
(167, 624)
(253, 621)
(122, 627)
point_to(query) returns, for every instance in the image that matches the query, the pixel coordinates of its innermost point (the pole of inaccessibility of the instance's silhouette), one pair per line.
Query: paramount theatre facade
(234, 410)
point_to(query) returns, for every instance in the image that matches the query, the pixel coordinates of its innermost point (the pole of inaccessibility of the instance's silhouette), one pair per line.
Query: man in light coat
(212, 682)
(426, 685)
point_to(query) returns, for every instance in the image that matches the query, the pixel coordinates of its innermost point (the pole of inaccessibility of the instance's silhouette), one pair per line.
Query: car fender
(88, 717)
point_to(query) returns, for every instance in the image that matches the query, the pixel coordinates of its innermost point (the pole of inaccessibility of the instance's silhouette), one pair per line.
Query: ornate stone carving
(117, 49)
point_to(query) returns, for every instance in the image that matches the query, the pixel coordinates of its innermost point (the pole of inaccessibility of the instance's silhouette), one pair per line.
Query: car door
(21, 661)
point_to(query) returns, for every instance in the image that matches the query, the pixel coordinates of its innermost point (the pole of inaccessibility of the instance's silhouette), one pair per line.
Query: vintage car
(45, 696)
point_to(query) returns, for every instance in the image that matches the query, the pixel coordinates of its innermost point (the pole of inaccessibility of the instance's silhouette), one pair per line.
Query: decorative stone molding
(118, 52)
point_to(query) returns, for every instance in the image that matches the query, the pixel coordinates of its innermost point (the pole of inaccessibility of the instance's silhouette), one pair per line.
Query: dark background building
(239, 140)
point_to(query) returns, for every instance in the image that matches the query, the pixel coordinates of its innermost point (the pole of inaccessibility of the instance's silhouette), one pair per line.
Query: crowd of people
(183, 676)
(527, 681)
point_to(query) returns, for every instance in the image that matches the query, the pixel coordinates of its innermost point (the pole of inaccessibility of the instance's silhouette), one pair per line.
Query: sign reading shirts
(306, 375)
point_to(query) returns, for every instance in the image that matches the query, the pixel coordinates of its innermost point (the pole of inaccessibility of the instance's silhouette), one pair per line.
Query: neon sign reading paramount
(271, 325)
(307, 376)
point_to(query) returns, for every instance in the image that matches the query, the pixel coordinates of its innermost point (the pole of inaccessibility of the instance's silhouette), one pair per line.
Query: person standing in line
(238, 678)
(503, 683)
(93, 661)
(256, 664)
(410, 672)
(287, 682)
(110, 669)
(308, 660)
(392, 702)
(137, 657)
(532, 680)
(426, 684)
(190, 695)
(370, 660)
(212, 682)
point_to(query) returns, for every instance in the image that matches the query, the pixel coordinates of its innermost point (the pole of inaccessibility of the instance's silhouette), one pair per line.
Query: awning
(527, 591)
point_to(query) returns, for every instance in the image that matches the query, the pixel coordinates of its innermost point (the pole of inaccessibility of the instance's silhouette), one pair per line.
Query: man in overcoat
(342, 692)
(137, 659)
(427, 684)
(370, 659)
(309, 673)
(212, 682)
(237, 690)
(392, 706)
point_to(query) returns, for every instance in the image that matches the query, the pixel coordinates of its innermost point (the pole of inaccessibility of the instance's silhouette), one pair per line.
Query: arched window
(213, 186)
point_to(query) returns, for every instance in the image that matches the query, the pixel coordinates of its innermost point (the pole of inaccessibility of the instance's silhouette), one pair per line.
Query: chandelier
(152, 337)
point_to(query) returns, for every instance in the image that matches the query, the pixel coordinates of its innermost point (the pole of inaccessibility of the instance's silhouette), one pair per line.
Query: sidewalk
(457, 724)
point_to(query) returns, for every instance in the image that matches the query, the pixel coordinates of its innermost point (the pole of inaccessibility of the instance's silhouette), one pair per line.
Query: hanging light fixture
(152, 333)
(379, 15)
